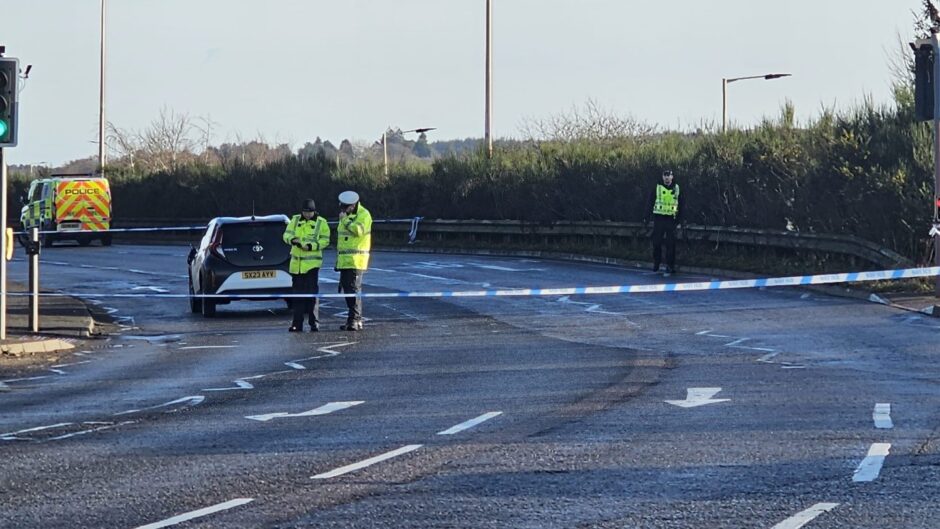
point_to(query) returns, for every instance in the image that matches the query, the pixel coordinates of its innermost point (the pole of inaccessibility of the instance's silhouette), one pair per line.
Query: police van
(68, 207)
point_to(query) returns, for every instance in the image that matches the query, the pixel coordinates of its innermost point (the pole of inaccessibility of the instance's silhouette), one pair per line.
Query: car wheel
(208, 307)
(194, 305)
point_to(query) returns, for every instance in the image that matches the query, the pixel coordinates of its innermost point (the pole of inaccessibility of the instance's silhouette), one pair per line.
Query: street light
(421, 130)
(724, 92)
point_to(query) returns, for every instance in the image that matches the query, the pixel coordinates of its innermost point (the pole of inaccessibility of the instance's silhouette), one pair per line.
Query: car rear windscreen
(255, 243)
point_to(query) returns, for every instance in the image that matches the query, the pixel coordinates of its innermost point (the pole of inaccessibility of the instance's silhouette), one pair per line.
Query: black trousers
(306, 284)
(664, 229)
(350, 282)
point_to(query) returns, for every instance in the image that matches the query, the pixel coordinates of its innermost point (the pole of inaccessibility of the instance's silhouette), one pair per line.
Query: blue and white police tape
(790, 281)
(413, 231)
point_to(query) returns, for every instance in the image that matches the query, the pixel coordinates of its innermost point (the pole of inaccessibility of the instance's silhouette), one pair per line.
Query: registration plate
(259, 274)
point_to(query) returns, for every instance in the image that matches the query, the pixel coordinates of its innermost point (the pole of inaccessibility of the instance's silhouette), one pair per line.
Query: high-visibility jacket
(666, 201)
(354, 240)
(316, 233)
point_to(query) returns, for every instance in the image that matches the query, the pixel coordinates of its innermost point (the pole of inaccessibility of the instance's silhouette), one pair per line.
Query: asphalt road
(769, 408)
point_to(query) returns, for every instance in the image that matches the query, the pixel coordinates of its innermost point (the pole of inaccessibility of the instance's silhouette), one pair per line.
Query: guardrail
(596, 234)
(546, 234)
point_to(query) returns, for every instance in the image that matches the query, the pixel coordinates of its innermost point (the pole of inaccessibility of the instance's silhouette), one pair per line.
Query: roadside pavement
(63, 322)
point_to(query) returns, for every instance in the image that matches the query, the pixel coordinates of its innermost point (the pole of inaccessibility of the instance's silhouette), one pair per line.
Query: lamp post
(385, 141)
(724, 92)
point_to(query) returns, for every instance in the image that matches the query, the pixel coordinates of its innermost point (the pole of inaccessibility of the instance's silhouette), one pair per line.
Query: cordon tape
(790, 281)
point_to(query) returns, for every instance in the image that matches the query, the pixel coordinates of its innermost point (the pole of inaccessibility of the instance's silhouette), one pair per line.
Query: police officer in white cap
(353, 244)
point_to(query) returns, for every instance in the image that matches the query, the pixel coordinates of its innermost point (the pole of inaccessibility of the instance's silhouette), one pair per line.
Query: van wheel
(84, 241)
(46, 240)
(106, 240)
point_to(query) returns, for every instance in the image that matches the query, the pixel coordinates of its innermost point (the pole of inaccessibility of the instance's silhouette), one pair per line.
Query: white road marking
(506, 268)
(93, 430)
(192, 400)
(698, 397)
(471, 423)
(768, 357)
(708, 332)
(327, 351)
(240, 385)
(73, 363)
(870, 467)
(197, 514)
(191, 347)
(805, 517)
(158, 290)
(36, 429)
(24, 379)
(322, 410)
(57, 371)
(366, 463)
(882, 416)
(435, 278)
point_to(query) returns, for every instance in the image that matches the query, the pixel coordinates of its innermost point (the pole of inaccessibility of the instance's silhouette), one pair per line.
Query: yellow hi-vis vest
(316, 233)
(667, 200)
(354, 240)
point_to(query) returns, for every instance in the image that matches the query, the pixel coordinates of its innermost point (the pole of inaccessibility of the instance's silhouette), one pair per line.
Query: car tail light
(215, 247)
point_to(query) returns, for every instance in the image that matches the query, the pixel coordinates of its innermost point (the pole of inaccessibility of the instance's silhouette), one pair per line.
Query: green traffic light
(4, 127)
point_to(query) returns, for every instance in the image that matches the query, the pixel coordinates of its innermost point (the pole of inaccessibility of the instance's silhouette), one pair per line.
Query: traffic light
(936, 211)
(924, 104)
(9, 74)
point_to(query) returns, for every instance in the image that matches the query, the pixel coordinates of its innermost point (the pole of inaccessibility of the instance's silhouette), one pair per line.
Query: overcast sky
(291, 70)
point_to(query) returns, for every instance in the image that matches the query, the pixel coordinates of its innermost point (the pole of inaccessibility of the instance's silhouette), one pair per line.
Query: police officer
(666, 215)
(353, 243)
(307, 234)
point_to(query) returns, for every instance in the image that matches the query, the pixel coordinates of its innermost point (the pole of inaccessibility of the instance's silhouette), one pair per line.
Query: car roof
(253, 218)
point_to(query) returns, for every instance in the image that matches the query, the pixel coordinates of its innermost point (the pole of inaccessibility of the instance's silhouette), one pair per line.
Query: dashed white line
(882, 416)
(197, 514)
(470, 424)
(805, 517)
(366, 463)
(870, 467)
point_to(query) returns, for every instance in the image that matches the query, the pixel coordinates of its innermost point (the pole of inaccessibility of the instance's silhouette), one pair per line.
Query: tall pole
(101, 118)
(3, 245)
(936, 157)
(488, 135)
(724, 104)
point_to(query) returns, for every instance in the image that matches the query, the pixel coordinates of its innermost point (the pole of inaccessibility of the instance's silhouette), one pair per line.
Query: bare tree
(589, 122)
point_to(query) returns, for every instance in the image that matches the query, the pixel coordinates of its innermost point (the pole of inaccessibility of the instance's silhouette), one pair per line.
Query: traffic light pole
(3, 246)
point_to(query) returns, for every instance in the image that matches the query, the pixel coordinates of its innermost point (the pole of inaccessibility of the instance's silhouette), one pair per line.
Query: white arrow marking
(698, 397)
(870, 467)
(882, 416)
(805, 517)
(322, 410)
(197, 514)
(470, 424)
(368, 462)
(192, 400)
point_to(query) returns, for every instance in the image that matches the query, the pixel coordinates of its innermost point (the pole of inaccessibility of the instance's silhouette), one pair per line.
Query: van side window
(33, 195)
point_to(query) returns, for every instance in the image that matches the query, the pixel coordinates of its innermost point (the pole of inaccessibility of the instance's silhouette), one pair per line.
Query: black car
(239, 256)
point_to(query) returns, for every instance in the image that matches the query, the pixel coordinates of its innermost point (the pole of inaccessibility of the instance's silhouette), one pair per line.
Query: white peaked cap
(348, 197)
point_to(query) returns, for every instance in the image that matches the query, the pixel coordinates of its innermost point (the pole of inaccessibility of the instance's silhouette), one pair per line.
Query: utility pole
(488, 135)
(101, 117)
(935, 43)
